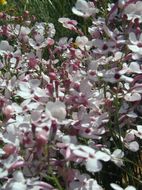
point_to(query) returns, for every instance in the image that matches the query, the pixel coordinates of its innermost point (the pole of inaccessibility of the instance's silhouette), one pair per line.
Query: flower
(121, 3)
(68, 23)
(133, 146)
(132, 97)
(93, 164)
(57, 110)
(17, 182)
(133, 11)
(83, 43)
(117, 187)
(39, 42)
(5, 47)
(83, 181)
(139, 133)
(93, 158)
(88, 184)
(117, 157)
(30, 89)
(136, 44)
(3, 2)
(84, 9)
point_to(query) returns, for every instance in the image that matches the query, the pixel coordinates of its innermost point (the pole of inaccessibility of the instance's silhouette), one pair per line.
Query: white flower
(12, 161)
(109, 75)
(21, 30)
(84, 9)
(132, 97)
(121, 3)
(133, 146)
(94, 164)
(117, 187)
(89, 184)
(16, 186)
(134, 67)
(84, 182)
(11, 135)
(5, 47)
(92, 184)
(30, 89)
(67, 139)
(133, 11)
(83, 43)
(24, 91)
(41, 28)
(3, 173)
(57, 110)
(136, 44)
(117, 156)
(139, 133)
(38, 42)
(16, 183)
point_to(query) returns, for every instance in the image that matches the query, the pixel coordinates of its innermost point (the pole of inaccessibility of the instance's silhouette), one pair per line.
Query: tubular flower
(3, 2)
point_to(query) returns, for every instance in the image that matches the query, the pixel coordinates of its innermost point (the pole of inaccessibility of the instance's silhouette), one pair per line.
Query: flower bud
(52, 76)
(9, 149)
(121, 3)
(8, 111)
(41, 138)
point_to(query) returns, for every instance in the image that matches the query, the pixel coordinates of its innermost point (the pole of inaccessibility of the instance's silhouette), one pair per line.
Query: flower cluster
(71, 108)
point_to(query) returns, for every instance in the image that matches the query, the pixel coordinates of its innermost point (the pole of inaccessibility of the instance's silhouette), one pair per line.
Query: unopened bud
(8, 111)
(41, 138)
(9, 149)
(121, 3)
(53, 130)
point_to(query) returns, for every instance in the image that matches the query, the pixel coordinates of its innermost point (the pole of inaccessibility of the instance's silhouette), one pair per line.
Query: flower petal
(93, 165)
(102, 156)
(115, 186)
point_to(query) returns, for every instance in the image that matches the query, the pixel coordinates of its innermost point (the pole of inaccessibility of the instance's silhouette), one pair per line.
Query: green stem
(55, 179)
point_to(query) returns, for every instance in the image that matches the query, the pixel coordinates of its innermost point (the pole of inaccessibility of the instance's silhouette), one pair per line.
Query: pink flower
(68, 23)
(8, 111)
